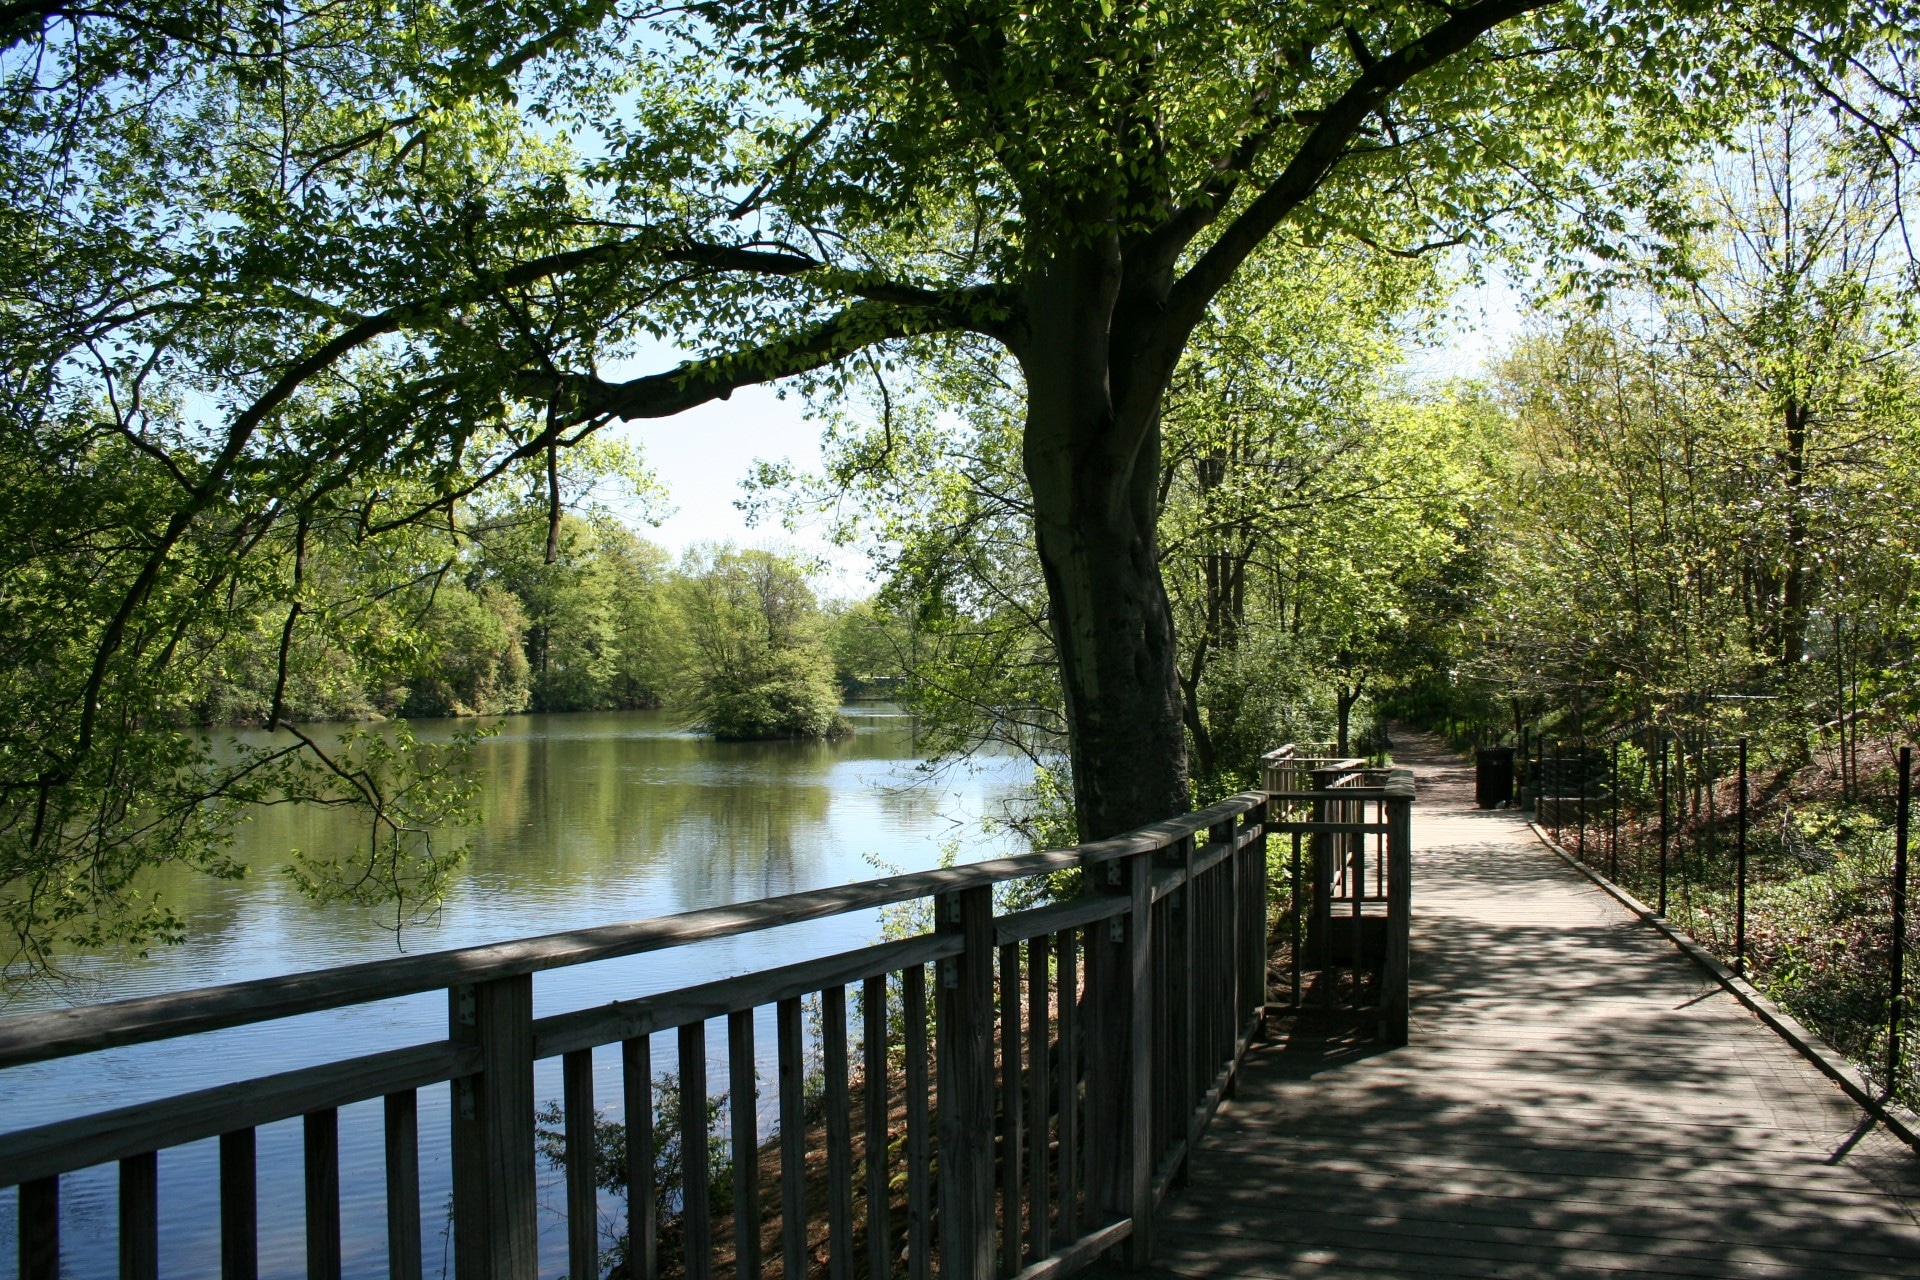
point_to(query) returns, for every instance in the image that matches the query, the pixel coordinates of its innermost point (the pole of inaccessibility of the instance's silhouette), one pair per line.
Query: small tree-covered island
(1191, 378)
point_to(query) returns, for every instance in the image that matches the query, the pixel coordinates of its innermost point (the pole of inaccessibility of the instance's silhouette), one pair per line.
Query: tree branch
(788, 262)
(696, 382)
(1322, 148)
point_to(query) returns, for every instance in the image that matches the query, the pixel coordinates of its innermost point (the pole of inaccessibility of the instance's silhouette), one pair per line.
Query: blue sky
(702, 456)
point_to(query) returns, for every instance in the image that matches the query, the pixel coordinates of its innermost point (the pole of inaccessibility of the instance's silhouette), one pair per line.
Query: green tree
(472, 661)
(1309, 509)
(257, 257)
(754, 665)
(871, 646)
(1306, 499)
(1715, 482)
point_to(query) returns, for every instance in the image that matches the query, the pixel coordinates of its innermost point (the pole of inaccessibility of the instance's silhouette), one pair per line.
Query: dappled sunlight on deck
(1578, 1098)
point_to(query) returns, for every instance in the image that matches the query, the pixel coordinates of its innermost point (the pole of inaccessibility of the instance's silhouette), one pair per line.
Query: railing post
(1119, 1138)
(1251, 950)
(494, 1199)
(1186, 1027)
(403, 1185)
(139, 1217)
(964, 1056)
(1394, 996)
(1139, 952)
(1322, 847)
(239, 1206)
(322, 1130)
(38, 1226)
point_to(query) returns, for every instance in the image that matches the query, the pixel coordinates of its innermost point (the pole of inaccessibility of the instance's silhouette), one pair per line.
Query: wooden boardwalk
(1578, 1099)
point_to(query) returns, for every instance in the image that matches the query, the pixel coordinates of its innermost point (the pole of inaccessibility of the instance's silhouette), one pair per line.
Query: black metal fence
(1672, 818)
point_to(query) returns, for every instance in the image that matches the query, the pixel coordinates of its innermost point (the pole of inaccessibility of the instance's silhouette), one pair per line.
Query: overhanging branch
(1322, 148)
(696, 382)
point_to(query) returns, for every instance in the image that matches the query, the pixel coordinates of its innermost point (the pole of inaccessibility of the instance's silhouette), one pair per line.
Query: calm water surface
(586, 819)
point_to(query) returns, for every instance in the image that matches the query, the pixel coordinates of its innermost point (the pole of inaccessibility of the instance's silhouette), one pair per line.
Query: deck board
(1578, 1099)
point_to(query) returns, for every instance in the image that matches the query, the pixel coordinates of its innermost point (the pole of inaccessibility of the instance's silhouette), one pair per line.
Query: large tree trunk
(1092, 456)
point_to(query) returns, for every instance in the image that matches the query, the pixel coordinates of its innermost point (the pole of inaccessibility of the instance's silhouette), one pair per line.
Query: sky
(702, 456)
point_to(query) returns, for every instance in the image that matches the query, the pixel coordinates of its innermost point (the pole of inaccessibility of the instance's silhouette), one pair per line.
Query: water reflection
(586, 819)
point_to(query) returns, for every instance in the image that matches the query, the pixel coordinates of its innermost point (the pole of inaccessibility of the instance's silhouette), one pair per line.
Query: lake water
(586, 819)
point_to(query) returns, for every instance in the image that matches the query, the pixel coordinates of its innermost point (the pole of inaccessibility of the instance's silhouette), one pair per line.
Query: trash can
(1493, 777)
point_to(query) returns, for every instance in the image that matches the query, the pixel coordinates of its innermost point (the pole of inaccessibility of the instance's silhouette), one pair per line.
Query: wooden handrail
(625, 1019)
(37, 1037)
(1136, 1002)
(65, 1145)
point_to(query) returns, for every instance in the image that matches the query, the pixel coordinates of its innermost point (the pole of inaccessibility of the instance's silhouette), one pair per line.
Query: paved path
(1578, 1099)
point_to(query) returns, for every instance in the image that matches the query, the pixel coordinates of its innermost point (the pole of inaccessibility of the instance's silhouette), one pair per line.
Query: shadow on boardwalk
(1578, 1099)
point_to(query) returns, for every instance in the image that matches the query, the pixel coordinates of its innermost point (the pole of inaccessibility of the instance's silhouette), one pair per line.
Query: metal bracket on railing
(466, 1006)
(949, 973)
(1116, 930)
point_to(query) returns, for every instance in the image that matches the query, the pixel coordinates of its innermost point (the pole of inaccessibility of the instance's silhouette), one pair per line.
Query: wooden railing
(1349, 902)
(1073, 1056)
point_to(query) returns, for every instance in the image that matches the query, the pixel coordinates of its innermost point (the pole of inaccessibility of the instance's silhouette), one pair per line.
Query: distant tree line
(523, 612)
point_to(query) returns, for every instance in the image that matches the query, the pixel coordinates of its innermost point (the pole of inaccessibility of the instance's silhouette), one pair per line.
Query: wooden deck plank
(1203, 1255)
(1578, 1099)
(1454, 1234)
(1547, 1249)
(1636, 1212)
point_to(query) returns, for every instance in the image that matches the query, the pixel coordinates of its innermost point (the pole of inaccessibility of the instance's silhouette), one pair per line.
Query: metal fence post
(1581, 839)
(1521, 796)
(1897, 996)
(1740, 875)
(1539, 775)
(1559, 789)
(1663, 826)
(1613, 815)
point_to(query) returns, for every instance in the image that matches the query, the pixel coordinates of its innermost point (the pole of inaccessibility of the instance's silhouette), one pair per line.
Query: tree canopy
(1714, 475)
(277, 273)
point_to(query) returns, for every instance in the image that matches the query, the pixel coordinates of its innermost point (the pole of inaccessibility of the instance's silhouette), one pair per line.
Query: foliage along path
(1578, 1098)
